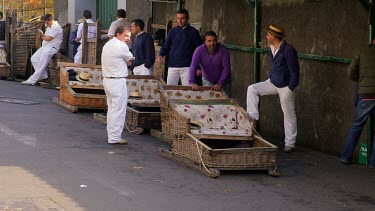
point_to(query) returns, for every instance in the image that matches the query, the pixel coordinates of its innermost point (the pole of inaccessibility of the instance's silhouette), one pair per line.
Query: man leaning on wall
(362, 70)
(283, 79)
(52, 39)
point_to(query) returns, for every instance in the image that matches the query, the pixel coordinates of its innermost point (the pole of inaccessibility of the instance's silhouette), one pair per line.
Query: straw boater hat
(79, 21)
(276, 30)
(83, 77)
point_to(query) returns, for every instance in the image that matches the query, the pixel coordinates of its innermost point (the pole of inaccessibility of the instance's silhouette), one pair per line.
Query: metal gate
(106, 11)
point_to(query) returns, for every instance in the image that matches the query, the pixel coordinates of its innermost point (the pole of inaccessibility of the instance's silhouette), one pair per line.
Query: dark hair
(47, 17)
(183, 11)
(121, 13)
(140, 23)
(210, 33)
(121, 30)
(87, 14)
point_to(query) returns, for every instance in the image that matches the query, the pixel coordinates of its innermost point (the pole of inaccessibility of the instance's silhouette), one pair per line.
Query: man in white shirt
(120, 16)
(116, 58)
(51, 45)
(91, 32)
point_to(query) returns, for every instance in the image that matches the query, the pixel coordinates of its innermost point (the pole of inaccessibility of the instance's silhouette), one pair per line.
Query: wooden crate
(143, 119)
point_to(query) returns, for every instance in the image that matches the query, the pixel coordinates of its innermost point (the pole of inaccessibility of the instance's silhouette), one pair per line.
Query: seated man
(143, 49)
(51, 45)
(90, 34)
(214, 60)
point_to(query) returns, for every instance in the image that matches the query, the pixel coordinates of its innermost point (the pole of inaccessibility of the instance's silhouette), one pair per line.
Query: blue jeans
(364, 109)
(227, 87)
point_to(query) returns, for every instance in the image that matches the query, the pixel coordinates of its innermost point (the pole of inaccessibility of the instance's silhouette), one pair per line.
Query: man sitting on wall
(91, 33)
(214, 61)
(51, 45)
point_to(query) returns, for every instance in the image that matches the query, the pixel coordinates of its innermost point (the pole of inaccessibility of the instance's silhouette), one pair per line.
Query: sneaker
(345, 161)
(27, 83)
(288, 149)
(372, 168)
(122, 141)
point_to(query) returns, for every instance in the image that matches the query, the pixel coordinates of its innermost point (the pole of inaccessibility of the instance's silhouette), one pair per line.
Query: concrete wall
(61, 11)
(324, 96)
(137, 9)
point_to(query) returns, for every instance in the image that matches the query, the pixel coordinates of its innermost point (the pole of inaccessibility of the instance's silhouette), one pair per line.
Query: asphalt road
(49, 153)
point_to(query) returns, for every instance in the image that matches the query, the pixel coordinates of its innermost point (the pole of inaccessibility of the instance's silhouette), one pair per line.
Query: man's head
(182, 17)
(210, 41)
(87, 14)
(274, 34)
(48, 20)
(137, 26)
(121, 13)
(1, 15)
(123, 34)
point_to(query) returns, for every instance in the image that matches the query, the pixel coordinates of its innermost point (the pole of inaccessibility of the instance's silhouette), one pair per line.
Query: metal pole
(370, 121)
(256, 61)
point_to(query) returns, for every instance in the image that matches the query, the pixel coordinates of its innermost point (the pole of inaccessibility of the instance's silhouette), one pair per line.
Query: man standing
(283, 79)
(120, 21)
(214, 61)
(180, 44)
(51, 45)
(115, 60)
(143, 49)
(362, 70)
(91, 32)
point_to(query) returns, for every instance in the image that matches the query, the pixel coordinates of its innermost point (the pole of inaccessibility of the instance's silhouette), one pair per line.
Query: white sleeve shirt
(115, 54)
(56, 32)
(91, 30)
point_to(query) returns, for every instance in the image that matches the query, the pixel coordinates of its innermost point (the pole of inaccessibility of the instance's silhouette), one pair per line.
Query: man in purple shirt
(214, 62)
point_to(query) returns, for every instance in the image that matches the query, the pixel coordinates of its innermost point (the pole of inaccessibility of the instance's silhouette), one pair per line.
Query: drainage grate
(17, 101)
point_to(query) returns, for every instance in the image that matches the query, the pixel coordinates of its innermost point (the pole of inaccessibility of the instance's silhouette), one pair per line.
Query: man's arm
(293, 67)
(353, 71)
(112, 29)
(194, 66)
(150, 51)
(79, 32)
(166, 47)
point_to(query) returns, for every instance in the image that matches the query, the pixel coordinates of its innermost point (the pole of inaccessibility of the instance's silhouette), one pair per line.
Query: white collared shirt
(115, 54)
(117, 23)
(91, 30)
(56, 32)
(274, 50)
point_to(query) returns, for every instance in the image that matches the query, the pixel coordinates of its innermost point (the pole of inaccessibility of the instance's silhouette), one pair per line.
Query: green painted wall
(106, 11)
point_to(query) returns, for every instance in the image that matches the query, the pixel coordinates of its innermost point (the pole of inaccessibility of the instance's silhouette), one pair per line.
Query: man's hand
(199, 73)
(216, 87)
(194, 86)
(160, 59)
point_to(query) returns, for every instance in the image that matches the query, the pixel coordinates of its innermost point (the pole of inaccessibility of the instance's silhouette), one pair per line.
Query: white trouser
(174, 74)
(117, 99)
(287, 105)
(40, 60)
(142, 70)
(78, 56)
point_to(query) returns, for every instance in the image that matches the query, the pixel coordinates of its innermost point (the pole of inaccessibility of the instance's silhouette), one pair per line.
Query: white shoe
(27, 83)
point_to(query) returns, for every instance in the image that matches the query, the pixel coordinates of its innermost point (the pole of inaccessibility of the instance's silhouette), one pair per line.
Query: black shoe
(344, 161)
(288, 149)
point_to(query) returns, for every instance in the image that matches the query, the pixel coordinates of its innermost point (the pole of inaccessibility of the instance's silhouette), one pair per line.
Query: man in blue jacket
(283, 79)
(180, 45)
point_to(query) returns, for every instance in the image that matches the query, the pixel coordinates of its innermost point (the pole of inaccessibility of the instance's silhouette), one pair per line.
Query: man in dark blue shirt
(283, 79)
(180, 45)
(143, 49)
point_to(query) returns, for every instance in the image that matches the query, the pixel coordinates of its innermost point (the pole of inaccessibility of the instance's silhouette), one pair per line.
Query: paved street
(54, 158)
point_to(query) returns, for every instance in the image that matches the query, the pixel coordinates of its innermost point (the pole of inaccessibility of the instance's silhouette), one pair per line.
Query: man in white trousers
(115, 60)
(283, 79)
(91, 32)
(51, 44)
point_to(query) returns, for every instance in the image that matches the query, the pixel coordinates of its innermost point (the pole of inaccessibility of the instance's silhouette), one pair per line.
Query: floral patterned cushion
(143, 101)
(212, 116)
(218, 132)
(88, 84)
(194, 95)
(95, 75)
(147, 87)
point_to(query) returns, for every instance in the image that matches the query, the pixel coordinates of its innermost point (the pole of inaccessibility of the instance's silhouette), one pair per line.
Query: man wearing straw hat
(116, 58)
(73, 37)
(51, 44)
(283, 79)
